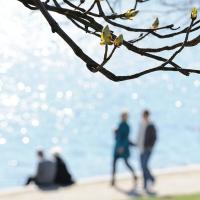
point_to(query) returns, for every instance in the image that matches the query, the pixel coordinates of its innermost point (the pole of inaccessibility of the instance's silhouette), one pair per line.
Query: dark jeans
(126, 163)
(144, 159)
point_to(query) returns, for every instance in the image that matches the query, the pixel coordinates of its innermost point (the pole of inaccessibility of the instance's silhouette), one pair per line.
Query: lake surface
(48, 98)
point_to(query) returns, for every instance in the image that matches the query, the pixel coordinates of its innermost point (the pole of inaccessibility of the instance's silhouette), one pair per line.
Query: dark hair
(146, 113)
(40, 153)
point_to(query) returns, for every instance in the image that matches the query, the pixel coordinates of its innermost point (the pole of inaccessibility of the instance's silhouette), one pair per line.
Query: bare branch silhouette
(86, 16)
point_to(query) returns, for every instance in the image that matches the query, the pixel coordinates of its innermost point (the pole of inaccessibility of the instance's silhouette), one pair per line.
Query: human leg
(114, 170)
(131, 169)
(144, 169)
(149, 175)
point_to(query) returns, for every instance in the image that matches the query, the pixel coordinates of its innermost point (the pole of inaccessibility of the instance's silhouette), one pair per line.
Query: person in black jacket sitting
(146, 141)
(62, 177)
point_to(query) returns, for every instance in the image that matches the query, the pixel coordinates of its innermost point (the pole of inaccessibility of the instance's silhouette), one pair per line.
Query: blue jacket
(122, 141)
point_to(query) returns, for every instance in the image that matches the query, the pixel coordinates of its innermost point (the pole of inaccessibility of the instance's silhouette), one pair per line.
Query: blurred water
(48, 98)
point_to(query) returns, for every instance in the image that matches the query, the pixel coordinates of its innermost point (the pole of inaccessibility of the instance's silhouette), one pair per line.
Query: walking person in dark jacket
(122, 145)
(146, 141)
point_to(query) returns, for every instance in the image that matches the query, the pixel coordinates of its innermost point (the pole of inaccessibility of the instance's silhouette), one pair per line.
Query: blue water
(48, 98)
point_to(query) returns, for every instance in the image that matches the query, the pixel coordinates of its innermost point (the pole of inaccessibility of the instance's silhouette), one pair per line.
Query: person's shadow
(131, 193)
(134, 192)
(52, 187)
(48, 187)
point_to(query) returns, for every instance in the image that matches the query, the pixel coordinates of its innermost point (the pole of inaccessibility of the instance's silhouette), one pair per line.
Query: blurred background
(48, 98)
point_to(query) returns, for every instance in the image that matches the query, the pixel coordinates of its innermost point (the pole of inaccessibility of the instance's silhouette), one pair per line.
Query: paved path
(182, 181)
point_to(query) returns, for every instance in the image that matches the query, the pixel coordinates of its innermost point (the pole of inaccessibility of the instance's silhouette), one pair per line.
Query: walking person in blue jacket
(122, 145)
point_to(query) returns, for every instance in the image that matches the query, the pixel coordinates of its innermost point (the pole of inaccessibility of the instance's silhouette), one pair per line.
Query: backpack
(150, 136)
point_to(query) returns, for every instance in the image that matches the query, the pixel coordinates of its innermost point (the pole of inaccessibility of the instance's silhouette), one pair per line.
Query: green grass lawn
(192, 197)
